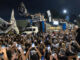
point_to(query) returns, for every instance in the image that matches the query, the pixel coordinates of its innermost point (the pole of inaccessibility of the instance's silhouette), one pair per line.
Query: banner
(64, 26)
(22, 9)
(43, 26)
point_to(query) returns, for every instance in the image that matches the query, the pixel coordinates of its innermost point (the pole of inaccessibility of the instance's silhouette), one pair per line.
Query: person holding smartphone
(53, 56)
(48, 52)
(33, 51)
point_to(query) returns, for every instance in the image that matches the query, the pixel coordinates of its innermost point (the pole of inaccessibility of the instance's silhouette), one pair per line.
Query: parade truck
(30, 30)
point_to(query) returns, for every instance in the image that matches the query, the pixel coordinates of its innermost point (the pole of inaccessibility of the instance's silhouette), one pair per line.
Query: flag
(49, 15)
(22, 9)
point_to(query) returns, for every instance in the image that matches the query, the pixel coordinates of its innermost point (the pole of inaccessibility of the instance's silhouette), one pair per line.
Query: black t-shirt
(74, 47)
(62, 52)
(47, 55)
(34, 57)
(78, 36)
(9, 54)
(62, 58)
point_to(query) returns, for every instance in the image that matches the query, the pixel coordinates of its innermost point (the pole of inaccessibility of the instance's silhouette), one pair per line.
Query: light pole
(66, 13)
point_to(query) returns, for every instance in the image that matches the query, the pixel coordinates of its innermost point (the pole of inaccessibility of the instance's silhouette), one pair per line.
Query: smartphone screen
(24, 52)
(16, 45)
(41, 41)
(52, 54)
(79, 55)
(42, 58)
(3, 46)
(19, 47)
(33, 45)
(48, 47)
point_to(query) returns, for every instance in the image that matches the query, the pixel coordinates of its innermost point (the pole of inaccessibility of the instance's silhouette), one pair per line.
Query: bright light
(65, 11)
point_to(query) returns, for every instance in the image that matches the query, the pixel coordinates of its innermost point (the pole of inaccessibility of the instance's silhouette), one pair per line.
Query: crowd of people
(41, 46)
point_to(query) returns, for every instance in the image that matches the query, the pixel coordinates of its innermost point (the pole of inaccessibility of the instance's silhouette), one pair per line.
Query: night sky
(73, 6)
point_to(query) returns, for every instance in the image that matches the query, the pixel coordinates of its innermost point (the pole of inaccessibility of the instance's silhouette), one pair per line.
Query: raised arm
(27, 54)
(38, 52)
(5, 55)
(22, 54)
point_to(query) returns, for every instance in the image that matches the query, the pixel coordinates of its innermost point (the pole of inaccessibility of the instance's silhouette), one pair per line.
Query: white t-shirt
(56, 45)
